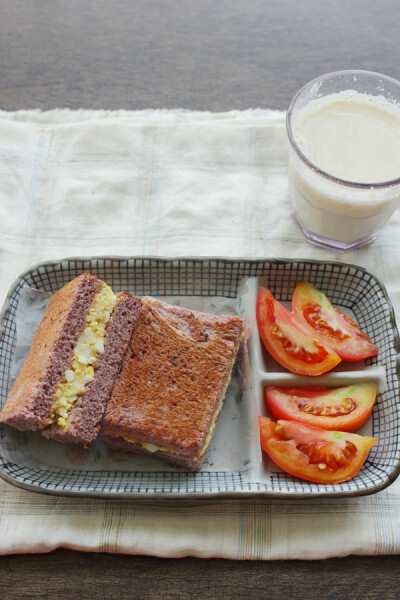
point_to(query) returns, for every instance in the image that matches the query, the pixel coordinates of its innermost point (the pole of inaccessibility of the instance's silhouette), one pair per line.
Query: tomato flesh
(328, 323)
(344, 409)
(326, 453)
(312, 453)
(288, 341)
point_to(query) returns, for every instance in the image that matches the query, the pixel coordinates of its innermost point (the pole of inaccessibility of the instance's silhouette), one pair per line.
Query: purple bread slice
(85, 416)
(28, 405)
(168, 395)
(176, 460)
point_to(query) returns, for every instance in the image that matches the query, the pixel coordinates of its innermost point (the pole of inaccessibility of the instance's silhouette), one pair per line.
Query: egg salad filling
(88, 348)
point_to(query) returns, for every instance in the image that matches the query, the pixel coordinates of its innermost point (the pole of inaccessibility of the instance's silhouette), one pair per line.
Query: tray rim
(234, 494)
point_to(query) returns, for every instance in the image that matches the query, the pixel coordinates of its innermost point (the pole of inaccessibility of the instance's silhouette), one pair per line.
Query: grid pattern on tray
(346, 285)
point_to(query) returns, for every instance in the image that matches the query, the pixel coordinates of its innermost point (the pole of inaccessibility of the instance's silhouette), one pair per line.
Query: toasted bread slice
(170, 390)
(32, 402)
(28, 405)
(85, 416)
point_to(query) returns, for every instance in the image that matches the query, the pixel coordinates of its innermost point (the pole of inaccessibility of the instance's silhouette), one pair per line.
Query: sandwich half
(169, 392)
(67, 377)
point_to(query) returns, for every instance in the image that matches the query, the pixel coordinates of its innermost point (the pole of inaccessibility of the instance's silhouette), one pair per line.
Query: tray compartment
(350, 287)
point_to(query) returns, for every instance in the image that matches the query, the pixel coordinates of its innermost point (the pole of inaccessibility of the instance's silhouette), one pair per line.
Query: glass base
(324, 242)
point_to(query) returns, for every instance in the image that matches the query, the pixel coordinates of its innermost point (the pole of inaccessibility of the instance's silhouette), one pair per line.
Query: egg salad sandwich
(67, 377)
(169, 392)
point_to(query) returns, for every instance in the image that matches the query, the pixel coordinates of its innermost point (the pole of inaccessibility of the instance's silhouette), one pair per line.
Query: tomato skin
(288, 341)
(346, 408)
(309, 452)
(329, 324)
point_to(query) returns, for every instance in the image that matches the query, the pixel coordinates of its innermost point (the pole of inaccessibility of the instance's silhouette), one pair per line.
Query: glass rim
(308, 162)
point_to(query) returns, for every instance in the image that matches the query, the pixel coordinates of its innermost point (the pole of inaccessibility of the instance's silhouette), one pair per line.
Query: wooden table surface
(198, 54)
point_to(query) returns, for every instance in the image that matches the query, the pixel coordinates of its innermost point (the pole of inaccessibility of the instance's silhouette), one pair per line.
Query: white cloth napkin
(171, 183)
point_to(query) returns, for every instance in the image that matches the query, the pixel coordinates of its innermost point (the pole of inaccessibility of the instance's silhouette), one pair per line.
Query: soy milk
(354, 139)
(351, 136)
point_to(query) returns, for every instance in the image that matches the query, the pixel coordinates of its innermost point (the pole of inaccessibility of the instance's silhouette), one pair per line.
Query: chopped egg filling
(150, 447)
(86, 352)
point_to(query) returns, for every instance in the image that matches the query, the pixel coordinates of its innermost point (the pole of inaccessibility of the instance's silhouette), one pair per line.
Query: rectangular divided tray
(351, 288)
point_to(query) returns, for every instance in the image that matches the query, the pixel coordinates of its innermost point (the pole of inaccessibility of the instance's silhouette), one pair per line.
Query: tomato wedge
(344, 409)
(289, 341)
(312, 453)
(329, 324)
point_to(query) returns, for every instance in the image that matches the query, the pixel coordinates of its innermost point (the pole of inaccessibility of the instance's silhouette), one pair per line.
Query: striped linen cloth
(171, 183)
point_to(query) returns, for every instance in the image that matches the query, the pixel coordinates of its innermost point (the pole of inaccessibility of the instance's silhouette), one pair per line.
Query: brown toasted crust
(172, 378)
(85, 416)
(119, 444)
(28, 405)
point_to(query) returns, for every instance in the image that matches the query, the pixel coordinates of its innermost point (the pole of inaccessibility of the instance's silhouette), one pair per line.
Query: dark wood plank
(207, 54)
(69, 575)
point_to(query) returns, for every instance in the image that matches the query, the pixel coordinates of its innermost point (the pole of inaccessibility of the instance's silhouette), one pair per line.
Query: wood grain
(207, 54)
(68, 575)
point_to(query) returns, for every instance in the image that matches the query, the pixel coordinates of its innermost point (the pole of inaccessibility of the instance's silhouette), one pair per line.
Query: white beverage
(352, 137)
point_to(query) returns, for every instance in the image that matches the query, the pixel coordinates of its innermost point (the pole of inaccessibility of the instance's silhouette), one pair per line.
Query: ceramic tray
(351, 288)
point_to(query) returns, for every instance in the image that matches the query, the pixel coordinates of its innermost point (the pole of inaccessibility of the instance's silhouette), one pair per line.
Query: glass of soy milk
(344, 157)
